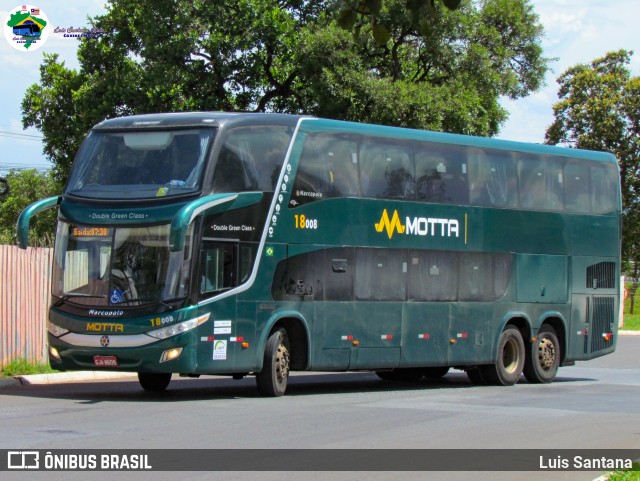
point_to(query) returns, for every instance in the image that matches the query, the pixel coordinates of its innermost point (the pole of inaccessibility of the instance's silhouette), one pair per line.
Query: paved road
(592, 405)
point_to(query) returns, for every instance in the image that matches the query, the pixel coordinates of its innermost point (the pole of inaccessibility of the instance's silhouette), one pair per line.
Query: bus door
(334, 317)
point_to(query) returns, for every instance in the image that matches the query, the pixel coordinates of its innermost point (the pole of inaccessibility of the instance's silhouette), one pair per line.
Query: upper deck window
(139, 165)
(251, 158)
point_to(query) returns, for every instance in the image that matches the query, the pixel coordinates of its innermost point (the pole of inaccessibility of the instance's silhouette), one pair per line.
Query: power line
(4, 133)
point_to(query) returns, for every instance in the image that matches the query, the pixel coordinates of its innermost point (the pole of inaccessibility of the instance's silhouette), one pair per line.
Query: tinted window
(541, 183)
(483, 277)
(441, 173)
(433, 276)
(339, 269)
(299, 277)
(380, 275)
(604, 188)
(576, 187)
(387, 170)
(158, 163)
(224, 265)
(493, 179)
(328, 168)
(251, 159)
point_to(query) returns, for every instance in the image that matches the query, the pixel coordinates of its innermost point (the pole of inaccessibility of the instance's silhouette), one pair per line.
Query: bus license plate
(105, 361)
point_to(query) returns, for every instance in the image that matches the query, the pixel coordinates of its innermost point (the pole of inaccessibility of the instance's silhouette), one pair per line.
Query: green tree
(352, 14)
(290, 56)
(28, 186)
(599, 109)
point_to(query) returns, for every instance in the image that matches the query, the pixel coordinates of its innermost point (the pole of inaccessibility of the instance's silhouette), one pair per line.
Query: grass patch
(632, 474)
(632, 321)
(19, 367)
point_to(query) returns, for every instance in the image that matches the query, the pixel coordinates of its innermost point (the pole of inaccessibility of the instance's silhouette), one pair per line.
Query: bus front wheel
(511, 356)
(272, 380)
(543, 359)
(153, 381)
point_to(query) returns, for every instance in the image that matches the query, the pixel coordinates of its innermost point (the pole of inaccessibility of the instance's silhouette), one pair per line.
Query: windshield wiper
(66, 297)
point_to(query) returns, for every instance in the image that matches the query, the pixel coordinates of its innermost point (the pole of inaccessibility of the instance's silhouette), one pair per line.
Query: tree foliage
(599, 109)
(28, 186)
(291, 56)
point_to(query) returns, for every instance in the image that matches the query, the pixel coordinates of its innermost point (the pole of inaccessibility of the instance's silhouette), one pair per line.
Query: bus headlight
(179, 328)
(55, 330)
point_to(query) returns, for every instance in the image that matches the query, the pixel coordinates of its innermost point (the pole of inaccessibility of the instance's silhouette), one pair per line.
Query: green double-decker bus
(237, 244)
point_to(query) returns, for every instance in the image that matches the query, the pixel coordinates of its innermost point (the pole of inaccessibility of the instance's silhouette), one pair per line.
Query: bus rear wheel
(511, 356)
(272, 380)
(154, 381)
(543, 359)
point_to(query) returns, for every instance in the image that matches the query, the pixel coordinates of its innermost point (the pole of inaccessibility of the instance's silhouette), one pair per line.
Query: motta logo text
(420, 226)
(26, 28)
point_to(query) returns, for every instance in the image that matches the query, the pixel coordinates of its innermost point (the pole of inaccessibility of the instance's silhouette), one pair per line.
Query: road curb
(628, 333)
(62, 377)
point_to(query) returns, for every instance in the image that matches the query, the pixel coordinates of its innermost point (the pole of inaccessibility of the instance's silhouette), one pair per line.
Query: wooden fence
(25, 287)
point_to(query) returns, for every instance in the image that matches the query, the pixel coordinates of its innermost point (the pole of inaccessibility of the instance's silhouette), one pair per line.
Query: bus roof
(196, 119)
(313, 124)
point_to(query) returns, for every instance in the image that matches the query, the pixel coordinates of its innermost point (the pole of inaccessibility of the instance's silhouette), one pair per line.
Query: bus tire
(272, 380)
(543, 359)
(511, 356)
(435, 372)
(154, 381)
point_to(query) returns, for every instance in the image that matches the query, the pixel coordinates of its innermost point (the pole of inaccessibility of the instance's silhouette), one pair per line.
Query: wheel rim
(282, 364)
(510, 356)
(546, 354)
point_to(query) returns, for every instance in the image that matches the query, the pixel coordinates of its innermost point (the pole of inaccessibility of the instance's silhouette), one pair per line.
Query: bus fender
(556, 320)
(268, 327)
(517, 318)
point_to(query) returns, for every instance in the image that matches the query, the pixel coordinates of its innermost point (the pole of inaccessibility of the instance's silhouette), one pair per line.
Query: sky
(576, 31)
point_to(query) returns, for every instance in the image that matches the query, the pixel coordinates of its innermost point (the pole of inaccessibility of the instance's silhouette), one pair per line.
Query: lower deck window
(372, 274)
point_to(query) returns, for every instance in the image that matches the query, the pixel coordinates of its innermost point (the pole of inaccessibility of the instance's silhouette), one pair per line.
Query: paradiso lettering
(421, 226)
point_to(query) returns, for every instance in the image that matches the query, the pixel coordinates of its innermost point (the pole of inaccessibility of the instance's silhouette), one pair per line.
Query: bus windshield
(158, 163)
(119, 266)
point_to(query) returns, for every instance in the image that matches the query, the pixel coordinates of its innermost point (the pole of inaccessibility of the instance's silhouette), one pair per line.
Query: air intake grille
(601, 276)
(603, 312)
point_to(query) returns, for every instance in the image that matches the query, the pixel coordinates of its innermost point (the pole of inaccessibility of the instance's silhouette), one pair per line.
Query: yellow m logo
(390, 225)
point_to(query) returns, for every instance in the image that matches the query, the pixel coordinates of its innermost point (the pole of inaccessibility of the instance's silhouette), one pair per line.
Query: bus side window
(483, 276)
(217, 270)
(328, 168)
(338, 274)
(298, 278)
(233, 172)
(441, 172)
(380, 274)
(492, 178)
(433, 276)
(541, 183)
(387, 170)
(576, 187)
(604, 180)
